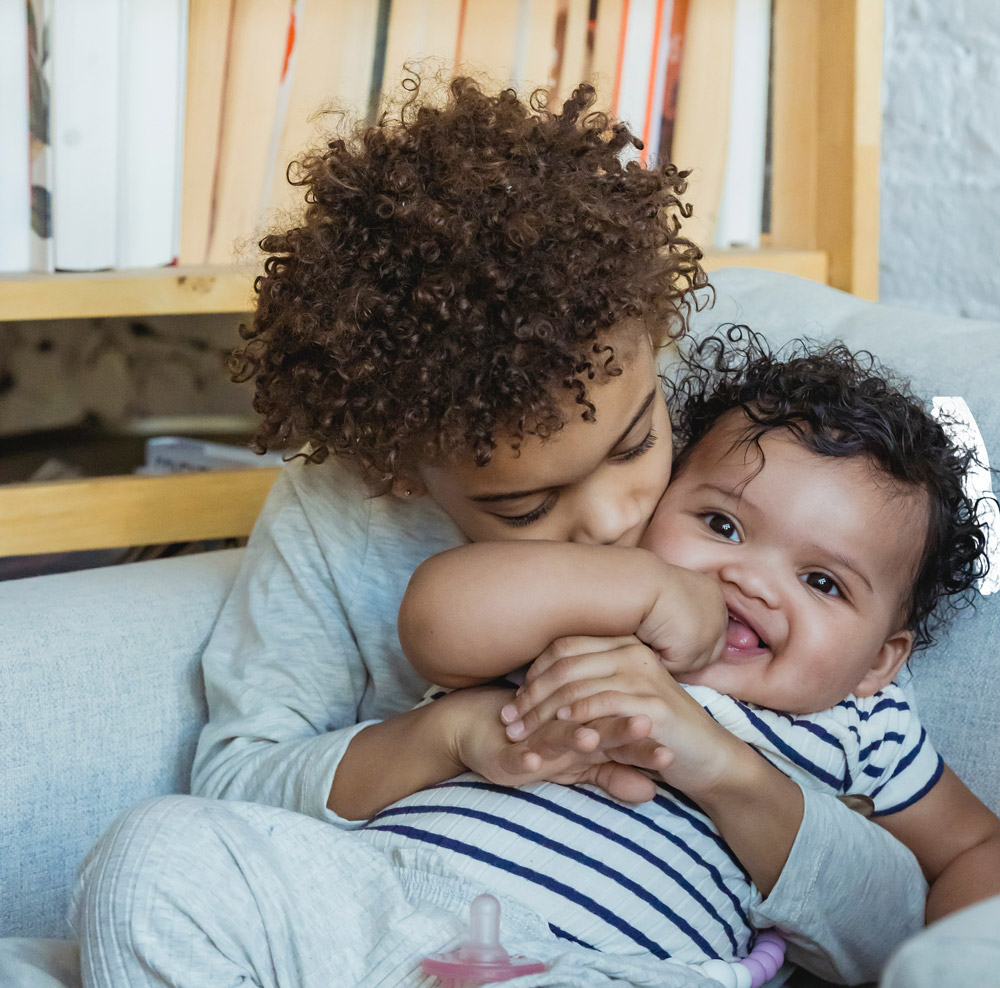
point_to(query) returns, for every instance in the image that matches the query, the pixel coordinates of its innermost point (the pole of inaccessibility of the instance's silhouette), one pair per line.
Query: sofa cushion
(31, 963)
(957, 681)
(103, 704)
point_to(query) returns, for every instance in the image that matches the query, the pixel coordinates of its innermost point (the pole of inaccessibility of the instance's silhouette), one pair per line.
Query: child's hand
(584, 680)
(687, 623)
(609, 752)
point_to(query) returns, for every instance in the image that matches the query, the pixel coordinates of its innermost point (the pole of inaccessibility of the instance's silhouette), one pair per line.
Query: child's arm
(956, 839)
(481, 610)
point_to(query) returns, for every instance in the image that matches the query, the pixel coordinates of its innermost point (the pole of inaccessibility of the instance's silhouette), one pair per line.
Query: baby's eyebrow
(730, 493)
(845, 561)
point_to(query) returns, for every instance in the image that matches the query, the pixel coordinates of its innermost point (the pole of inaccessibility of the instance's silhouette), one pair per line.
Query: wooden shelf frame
(113, 512)
(189, 291)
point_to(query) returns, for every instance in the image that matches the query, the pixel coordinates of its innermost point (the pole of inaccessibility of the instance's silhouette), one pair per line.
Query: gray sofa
(100, 680)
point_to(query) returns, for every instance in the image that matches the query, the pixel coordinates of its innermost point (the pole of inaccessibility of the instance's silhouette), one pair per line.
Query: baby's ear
(894, 652)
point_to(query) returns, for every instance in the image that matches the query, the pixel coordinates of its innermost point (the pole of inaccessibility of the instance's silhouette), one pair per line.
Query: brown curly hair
(454, 278)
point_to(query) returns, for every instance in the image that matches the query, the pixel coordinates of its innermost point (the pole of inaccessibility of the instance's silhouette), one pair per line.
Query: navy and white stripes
(656, 877)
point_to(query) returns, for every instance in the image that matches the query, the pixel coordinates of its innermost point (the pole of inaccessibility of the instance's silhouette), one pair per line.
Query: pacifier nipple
(482, 958)
(483, 945)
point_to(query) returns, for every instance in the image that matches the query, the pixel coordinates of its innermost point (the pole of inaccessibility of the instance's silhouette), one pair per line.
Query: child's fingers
(605, 703)
(559, 739)
(570, 646)
(520, 725)
(622, 656)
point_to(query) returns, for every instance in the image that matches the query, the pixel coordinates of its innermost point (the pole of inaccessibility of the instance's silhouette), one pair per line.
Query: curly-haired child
(827, 506)
(463, 328)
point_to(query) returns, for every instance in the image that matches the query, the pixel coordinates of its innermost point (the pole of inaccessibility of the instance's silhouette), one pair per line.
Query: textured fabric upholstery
(102, 706)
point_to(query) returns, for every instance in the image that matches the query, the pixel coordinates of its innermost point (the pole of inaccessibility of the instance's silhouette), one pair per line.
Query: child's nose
(607, 520)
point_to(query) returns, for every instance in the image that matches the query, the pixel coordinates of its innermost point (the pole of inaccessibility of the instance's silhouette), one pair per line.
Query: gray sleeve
(305, 653)
(848, 896)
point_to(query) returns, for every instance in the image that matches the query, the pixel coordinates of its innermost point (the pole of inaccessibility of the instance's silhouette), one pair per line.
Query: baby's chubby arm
(956, 839)
(482, 610)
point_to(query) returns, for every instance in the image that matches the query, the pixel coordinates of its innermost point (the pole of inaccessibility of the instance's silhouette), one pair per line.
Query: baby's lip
(743, 637)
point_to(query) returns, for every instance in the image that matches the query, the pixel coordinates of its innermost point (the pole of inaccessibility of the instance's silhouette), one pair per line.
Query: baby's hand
(582, 680)
(687, 623)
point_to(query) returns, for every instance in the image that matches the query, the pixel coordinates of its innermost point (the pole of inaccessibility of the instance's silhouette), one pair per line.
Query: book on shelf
(171, 123)
(258, 39)
(637, 65)
(84, 133)
(39, 102)
(209, 25)
(701, 126)
(153, 47)
(672, 78)
(741, 202)
(183, 454)
(332, 68)
(15, 173)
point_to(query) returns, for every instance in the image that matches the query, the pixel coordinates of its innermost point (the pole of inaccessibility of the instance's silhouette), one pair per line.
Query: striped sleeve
(898, 765)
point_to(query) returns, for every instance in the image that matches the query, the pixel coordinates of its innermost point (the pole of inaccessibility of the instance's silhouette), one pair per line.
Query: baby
(822, 509)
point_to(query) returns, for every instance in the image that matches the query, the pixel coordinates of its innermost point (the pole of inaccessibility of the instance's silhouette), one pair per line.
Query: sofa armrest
(103, 703)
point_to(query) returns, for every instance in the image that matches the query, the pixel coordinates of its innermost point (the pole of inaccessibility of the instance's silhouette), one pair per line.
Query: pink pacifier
(481, 959)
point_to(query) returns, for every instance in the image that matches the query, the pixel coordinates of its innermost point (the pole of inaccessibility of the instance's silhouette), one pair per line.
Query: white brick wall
(940, 175)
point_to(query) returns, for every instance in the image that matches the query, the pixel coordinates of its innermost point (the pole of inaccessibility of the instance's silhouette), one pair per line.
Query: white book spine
(39, 98)
(742, 201)
(640, 35)
(152, 82)
(84, 132)
(15, 178)
(654, 113)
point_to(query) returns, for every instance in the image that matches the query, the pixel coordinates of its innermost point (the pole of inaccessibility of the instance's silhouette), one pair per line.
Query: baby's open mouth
(741, 637)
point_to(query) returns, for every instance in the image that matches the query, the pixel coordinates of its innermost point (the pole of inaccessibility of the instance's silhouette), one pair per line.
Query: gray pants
(197, 893)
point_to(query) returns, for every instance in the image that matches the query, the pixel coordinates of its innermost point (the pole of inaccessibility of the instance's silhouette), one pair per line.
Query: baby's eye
(723, 525)
(822, 582)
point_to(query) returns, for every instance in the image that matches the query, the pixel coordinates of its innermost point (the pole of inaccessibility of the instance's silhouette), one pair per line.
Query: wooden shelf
(109, 512)
(145, 292)
(186, 291)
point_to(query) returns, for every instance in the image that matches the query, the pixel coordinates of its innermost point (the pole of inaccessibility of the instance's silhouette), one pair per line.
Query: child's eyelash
(647, 444)
(536, 514)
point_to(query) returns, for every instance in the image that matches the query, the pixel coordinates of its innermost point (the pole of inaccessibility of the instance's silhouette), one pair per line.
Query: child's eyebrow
(513, 495)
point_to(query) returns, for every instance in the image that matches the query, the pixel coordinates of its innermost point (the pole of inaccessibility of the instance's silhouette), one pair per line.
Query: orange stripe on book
(289, 43)
(458, 35)
(621, 58)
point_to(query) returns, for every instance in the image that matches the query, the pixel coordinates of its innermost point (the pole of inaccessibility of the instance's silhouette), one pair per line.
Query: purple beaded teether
(752, 971)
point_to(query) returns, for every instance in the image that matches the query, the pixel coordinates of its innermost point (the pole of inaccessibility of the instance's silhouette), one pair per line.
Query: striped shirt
(657, 877)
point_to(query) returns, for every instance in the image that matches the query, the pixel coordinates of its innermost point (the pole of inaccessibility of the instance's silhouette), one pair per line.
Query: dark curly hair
(842, 403)
(455, 276)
